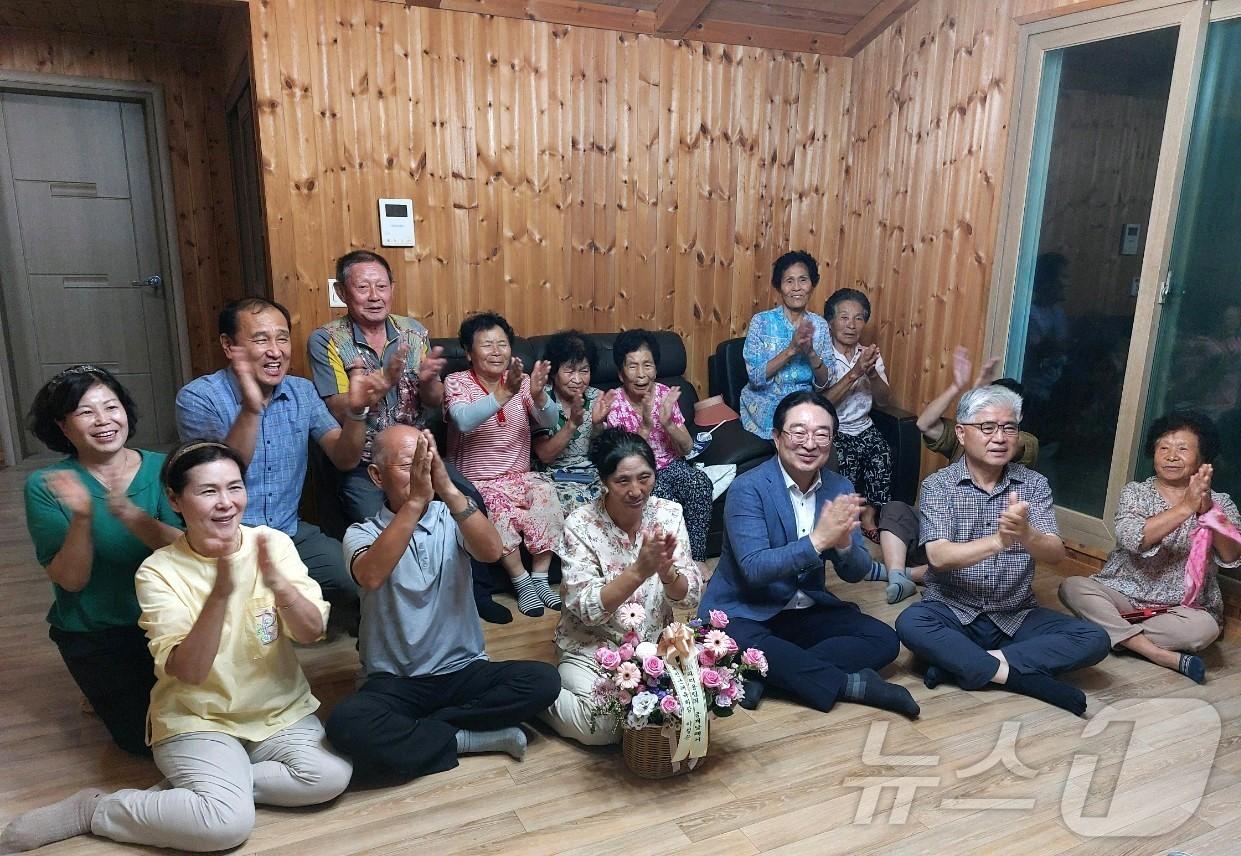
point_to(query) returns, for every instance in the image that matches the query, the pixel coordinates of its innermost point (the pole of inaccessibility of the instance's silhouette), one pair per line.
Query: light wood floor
(775, 783)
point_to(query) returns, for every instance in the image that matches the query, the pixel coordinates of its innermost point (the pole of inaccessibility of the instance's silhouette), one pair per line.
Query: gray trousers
(206, 802)
(569, 716)
(1181, 628)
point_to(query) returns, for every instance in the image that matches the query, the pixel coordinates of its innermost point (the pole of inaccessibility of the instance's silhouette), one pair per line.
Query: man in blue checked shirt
(269, 417)
(985, 523)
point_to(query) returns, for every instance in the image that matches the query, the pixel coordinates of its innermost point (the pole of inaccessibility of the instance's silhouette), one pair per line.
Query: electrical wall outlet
(333, 299)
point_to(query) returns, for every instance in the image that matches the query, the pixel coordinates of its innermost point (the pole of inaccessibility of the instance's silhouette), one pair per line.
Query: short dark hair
(804, 396)
(479, 321)
(839, 296)
(1194, 421)
(358, 257)
(1011, 383)
(613, 445)
(60, 396)
(570, 346)
(175, 473)
(795, 257)
(632, 340)
(227, 323)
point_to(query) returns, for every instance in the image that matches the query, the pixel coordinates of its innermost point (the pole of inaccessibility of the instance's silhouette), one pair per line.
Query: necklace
(108, 483)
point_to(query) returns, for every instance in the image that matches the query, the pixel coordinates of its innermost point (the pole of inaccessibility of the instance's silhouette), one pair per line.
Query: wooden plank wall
(562, 176)
(202, 186)
(930, 101)
(1102, 175)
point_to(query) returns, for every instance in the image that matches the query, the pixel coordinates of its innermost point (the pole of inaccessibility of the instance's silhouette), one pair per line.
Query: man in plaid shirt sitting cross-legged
(985, 522)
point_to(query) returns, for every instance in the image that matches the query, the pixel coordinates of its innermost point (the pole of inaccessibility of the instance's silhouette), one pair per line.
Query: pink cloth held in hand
(1199, 546)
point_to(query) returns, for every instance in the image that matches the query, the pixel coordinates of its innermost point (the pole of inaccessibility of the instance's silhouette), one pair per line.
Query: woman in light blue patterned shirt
(785, 346)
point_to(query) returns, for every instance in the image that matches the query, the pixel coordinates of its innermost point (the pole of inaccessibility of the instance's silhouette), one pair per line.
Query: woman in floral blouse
(565, 448)
(626, 565)
(1155, 520)
(649, 408)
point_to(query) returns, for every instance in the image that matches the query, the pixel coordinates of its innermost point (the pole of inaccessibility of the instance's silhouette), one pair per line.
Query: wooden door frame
(1034, 39)
(151, 97)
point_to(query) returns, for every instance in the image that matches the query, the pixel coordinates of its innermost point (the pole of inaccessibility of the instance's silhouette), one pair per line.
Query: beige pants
(213, 781)
(1179, 629)
(569, 716)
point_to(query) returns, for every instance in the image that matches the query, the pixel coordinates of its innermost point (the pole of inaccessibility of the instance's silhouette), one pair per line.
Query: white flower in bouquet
(644, 704)
(635, 722)
(645, 649)
(631, 616)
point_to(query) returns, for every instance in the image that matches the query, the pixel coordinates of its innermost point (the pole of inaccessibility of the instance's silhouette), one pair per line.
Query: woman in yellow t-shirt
(231, 721)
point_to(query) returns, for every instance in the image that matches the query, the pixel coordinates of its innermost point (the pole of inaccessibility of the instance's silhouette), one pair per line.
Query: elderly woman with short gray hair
(1143, 597)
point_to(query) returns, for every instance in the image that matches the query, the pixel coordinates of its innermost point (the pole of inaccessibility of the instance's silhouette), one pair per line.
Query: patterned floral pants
(866, 460)
(684, 483)
(524, 507)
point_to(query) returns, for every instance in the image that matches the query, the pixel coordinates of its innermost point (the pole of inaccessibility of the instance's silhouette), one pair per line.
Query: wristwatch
(359, 416)
(470, 508)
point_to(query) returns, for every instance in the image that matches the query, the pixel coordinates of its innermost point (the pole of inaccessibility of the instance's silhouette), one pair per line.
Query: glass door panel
(1093, 165)
(1197, 361)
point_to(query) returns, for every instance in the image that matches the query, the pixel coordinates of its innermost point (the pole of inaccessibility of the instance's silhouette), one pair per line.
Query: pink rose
(631, 638)
(756, 658)
(719, 619)
(624, 697)
(653, 666)
(729, 691)
(706, 658)
(710, 679)
(625, 651)
(668, 704)
(732, 645)
(607, 658)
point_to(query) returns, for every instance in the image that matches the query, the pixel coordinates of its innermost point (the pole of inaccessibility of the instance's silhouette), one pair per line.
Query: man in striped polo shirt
(368, 339)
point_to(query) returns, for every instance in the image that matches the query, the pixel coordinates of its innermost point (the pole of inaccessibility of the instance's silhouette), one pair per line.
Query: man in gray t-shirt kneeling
(430, 692)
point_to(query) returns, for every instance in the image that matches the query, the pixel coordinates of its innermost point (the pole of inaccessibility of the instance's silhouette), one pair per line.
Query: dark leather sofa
(730, 443)
(727, 376)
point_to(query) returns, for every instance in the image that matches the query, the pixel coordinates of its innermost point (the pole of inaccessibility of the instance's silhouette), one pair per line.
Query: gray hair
(980, 398)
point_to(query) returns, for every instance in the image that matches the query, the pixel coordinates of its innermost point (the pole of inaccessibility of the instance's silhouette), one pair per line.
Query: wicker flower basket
(648, 755)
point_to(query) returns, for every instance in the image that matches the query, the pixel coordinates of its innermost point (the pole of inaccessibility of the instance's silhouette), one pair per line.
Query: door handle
(1165, 289)
(153, 282)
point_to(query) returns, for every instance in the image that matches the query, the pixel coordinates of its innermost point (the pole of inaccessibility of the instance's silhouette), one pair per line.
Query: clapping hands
(656, 554)
(837, 521)
(1014, 523)
(366, 389)
(68, 490)
(1198, 494)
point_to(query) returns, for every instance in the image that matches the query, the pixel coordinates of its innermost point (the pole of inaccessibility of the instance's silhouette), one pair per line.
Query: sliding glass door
(1117, 290)
(1197, 361)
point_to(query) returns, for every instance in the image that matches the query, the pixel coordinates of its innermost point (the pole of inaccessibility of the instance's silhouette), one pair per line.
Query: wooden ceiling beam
(578, 13)
(778, 38)
(674, 17)
(875, 22)
(606, 16)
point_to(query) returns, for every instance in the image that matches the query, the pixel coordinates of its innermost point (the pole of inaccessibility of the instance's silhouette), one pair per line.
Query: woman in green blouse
(94, 517)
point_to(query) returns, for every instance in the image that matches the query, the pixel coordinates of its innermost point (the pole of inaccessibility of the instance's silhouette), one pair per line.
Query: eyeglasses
(1009, 429)
(822, 437)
